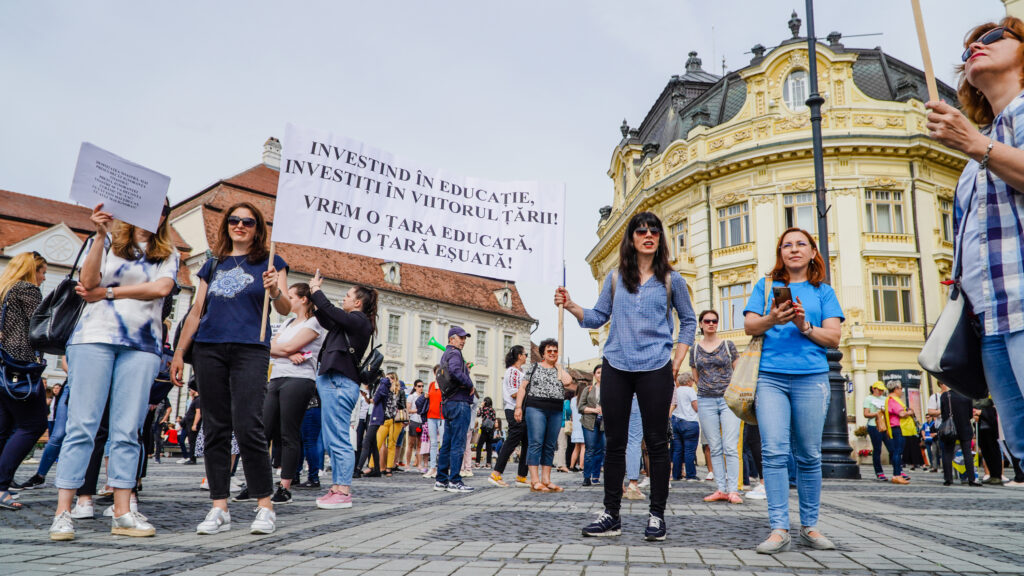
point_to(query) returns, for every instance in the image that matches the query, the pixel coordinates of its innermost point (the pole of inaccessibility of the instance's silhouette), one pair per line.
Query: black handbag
(18, 379)
(952, 351)
(53, 322)
(947, 429)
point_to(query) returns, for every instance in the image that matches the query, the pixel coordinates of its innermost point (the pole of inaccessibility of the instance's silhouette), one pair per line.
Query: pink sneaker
(334, 501)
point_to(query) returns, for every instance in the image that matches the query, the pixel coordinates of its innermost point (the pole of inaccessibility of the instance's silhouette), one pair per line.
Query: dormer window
(794, 91)
(392, 272)
(504, 297)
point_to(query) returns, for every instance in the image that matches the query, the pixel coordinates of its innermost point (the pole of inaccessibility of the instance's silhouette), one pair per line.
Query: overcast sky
(522, 90)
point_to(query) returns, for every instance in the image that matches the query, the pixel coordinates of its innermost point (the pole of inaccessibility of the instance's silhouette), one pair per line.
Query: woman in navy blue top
(638, 359)
(231, 361)
(792, 384)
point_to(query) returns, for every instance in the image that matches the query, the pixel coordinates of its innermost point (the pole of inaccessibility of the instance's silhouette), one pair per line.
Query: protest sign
(130, 192)
(344, 195)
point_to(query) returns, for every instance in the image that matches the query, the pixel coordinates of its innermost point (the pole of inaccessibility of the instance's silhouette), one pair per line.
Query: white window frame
(795, 90)
(394, 328)
(946, 219)
(726, 215)
(426, 331)
(481, 343)
(800, 211)
(884, 206)
(899, 285)
(733, 299)
(680, 238)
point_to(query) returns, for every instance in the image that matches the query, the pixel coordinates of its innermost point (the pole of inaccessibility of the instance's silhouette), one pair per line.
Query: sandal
(543, 487)
(554, 487)
(7, 502)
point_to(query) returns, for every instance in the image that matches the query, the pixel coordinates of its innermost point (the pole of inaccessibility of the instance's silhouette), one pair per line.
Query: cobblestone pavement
(400, 526)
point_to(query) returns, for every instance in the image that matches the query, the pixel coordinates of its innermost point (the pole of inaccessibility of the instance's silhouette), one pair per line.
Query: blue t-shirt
(236, 301)
(786, 350)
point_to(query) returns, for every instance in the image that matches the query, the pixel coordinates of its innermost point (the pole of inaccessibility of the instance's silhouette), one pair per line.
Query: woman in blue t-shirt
(792, 385)
(230, 360)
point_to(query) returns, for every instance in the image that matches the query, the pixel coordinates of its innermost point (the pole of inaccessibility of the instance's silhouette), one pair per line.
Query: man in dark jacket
(458, 414)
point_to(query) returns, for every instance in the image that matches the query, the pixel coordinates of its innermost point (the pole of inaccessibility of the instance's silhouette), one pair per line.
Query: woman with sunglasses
(712, 360)
(416, 424)
(792, 384)
(638, 358)
(989, 203)
(114, 355)
(230, 360)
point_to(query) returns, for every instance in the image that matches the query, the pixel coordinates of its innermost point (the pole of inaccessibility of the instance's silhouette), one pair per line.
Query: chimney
(272, 153)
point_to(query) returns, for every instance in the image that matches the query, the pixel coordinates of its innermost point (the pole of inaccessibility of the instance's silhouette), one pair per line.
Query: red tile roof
(258, 185)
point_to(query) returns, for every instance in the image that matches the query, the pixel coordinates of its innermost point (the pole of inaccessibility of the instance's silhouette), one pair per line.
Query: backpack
(487, 423)
(422, 406)
(445, 382)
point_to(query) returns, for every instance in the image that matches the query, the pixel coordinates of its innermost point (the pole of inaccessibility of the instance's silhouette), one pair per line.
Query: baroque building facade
(727, 164)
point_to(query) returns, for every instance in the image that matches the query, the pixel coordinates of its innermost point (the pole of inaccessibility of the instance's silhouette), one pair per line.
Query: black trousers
(370, 449)
(653, 391)
(360, 435)
(283, 411)
(965, 434)
(516, 437)
(232, 381)
(988, 443)
(192, 435)
(486, 435)
(751, 452)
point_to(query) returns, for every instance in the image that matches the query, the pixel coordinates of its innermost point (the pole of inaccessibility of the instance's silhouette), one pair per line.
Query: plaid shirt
(640, 337)
(1002, 231)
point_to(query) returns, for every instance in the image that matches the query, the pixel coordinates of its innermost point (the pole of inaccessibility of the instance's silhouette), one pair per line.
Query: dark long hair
(513, 355)
(302, 291)
(258, 249)
(815, 268)
(629, 271)
(368, 296)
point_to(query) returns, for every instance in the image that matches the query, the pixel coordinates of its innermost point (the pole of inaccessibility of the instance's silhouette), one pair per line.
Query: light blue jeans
(338, 395)
(542, 429)
(791, 412)
(124, 376)
(435, 430)
(634, 454)
(722, 431)
(1003, 358)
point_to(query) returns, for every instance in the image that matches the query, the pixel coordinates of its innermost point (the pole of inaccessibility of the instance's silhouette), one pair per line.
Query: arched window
(794, 91)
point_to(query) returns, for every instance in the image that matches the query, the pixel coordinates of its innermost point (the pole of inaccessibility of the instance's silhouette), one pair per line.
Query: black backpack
(445, 382)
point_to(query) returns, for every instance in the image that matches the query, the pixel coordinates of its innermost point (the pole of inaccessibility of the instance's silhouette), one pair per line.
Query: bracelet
(279, 292)
(807, 332)
(988, 151)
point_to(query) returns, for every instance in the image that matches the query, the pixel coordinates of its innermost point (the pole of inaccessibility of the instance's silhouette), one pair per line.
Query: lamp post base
(835, 440)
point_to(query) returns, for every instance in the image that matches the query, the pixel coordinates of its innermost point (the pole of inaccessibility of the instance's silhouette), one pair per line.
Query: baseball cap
(457, 331)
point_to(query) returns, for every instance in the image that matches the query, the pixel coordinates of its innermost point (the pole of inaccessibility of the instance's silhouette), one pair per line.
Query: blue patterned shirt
(999, 301)
(640, 337)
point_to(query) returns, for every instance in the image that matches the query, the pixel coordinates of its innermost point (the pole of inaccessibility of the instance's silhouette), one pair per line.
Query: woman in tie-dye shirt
(114, 353)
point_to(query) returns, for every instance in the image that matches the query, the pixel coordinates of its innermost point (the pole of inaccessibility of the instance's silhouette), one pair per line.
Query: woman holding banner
(989, 203)
(230, 360)
(114, 354)
(638, 298)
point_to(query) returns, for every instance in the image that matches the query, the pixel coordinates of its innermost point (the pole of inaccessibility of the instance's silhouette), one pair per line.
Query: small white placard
(130, 192)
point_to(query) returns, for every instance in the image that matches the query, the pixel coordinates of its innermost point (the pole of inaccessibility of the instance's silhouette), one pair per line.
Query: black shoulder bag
(18, 379)
(53, 322)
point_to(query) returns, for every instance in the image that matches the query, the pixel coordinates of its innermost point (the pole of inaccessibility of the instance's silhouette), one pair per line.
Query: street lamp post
(835, 441)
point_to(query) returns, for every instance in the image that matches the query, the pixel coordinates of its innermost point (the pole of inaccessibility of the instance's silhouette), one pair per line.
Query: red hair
(815, 268)
(974, 104)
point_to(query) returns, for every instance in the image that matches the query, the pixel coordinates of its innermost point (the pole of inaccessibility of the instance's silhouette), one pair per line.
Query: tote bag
(742, 390)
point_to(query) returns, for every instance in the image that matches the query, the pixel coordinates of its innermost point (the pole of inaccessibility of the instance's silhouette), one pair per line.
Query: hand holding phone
(782, 295)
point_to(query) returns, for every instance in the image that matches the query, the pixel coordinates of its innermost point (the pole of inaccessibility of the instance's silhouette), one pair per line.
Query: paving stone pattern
(399, 526)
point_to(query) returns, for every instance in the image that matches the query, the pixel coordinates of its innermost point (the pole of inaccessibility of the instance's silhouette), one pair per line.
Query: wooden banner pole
(266, 297)
(929, 72)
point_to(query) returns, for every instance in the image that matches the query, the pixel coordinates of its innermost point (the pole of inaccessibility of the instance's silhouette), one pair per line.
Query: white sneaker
(645, 482)
(757, 493)
(82, 512)
(467, 474)
(236, 484)
(109, 510)
(204, 485)
(181, 461)
(63, 527)
(131, 524)
(710, 476)
(265, 522)
(430, 473)
(216, 521)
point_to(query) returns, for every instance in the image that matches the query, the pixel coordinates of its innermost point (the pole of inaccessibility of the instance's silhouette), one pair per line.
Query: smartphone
(782, 295)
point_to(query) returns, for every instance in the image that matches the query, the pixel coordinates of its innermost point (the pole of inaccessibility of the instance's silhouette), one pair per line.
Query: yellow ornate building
(726, 162)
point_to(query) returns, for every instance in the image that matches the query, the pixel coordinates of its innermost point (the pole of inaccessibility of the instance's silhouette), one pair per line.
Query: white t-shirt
(411, 401)
(684, 395)
(283, 367)
(510, 386)
(362, 407)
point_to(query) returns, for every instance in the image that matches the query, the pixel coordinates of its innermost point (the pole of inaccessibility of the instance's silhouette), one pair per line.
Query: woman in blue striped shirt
(638, 298)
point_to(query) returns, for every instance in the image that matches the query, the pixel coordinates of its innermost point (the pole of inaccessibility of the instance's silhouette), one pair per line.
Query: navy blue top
(236, 301)
(453, 360)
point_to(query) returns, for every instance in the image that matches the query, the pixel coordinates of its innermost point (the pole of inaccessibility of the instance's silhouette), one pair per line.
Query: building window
(892, 297)
(423, 374)
(389, 368)
(734, 299)
(680, 238)
(733, 225)
(481, 384)
(946, 219)
(800, 211)
(394, 332)
(507, 342)
(481, 343)
(794, 91)
(883, 211)
(424, 333)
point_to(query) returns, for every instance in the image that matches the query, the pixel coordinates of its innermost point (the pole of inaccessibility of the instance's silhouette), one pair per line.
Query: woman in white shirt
(685, 429)
(293, 352)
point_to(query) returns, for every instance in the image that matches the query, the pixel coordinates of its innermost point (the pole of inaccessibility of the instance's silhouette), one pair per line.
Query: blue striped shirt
(1000, 298)
(640, 337)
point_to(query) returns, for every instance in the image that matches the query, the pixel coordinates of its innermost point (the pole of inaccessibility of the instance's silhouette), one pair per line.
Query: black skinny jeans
(283, 411)
(751, 452)
(988, 443)
(653, 391)
(370, 449)
(232, 382)
(22, 422)
(516, 437)
(965, 434)
(360, 436)
(488, 437)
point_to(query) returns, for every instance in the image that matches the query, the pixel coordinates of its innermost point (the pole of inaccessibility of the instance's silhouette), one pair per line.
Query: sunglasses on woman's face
(653, 230)
(992, 36)
(247, 222)
(710, 321)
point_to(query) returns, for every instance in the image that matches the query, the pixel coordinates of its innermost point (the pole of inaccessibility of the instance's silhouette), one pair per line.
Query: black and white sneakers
(655, 531)
(605, 525)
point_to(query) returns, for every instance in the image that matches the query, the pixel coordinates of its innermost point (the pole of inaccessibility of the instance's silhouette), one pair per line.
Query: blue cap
(457, 331)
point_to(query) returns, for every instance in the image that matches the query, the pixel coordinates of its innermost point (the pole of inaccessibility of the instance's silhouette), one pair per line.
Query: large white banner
(344, 195)
(130, 192)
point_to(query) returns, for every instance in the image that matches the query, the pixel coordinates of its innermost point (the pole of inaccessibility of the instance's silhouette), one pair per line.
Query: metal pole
(835, 440)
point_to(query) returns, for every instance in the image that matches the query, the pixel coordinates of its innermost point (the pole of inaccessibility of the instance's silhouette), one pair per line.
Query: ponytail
(368, 296)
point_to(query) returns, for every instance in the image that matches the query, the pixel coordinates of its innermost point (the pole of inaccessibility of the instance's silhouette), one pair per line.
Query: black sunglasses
(654, 230)
(247, 222)
(710, 321)
(990, 37)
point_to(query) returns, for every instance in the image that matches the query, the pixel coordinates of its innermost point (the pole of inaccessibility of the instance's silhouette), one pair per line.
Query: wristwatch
(110, 292)
(809, 328)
